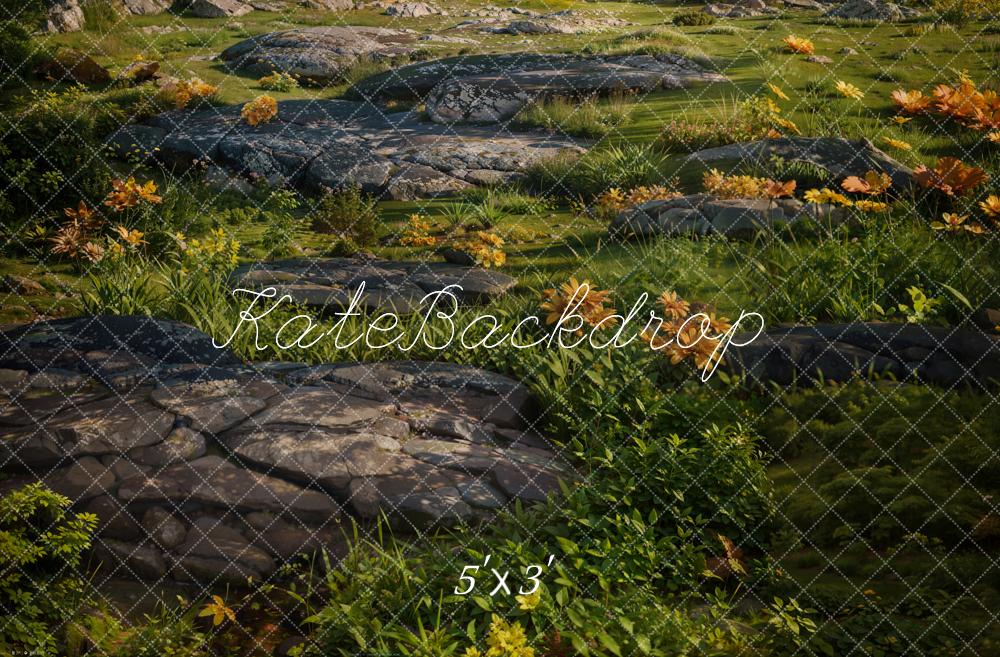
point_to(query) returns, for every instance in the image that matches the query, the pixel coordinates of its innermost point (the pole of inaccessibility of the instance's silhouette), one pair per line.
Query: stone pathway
(492, 88)
(320, 144)
(704, 214)
(947, 356)
(205, 469)
(390, 285)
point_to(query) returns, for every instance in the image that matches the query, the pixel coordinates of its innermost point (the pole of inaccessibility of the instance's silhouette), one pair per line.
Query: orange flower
(673, 306)
(873, 184)
(911, 102)
(799, 45)
(260, 110)
(951, 176)
(991, 206)
(776, 189)
(131, 236)
(590, 307)
(128, 193)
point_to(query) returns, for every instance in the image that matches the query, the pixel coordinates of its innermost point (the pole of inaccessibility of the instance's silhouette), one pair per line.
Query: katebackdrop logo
(438, 329)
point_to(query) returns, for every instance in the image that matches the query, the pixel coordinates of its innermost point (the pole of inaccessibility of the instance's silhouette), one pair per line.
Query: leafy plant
(41, 588)
(349, 216)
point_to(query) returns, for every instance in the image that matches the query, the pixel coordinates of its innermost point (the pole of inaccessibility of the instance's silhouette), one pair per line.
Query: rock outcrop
(317, 55)
(871, 10)
(116, 412)
(703, 214)
(71, 65)
(219, 8)
(946, 356)
(63, 16)
(491, 88)
(513, 20)
(318, 144)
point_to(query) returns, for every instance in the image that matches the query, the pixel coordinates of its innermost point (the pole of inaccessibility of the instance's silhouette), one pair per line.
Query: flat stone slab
(839, 157)
(491, 88)
(513, 20)
(317, 55)
(317, 145)
(214, 474)
(946, 356)
(389, 285)
(704, 214)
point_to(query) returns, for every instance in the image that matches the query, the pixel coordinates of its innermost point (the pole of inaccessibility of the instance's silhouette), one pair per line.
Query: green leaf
(609, 642)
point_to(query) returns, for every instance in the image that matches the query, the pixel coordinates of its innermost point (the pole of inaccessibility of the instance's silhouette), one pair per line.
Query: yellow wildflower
(848, 90)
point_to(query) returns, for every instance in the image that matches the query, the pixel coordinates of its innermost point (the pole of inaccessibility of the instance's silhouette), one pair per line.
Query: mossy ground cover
(884, 493)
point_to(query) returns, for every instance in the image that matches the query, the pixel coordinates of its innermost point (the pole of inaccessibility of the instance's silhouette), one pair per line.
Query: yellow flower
(529, 601)
(848, 90)
(507, 640)
(953, 223)
(776, 90)
(472, 651)
(826, 195)
(994, 136)
(870, 206)
(897, 143)
(787, 125)
(900, 120)
(991, 206)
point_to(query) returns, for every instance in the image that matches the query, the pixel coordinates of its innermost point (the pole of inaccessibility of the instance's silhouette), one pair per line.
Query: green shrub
(41, 590)
(693, 18)
(349, 216)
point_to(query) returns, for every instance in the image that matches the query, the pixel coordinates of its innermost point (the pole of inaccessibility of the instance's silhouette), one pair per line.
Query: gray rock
(213, 482)
(210, 406)
(819, 59)
(316, 54)
(442, 506)
(214, 553)
(181, 444)
(411, 10)
(165, 529)
(527, 482)
(942, 355)
(146, 7)
(127, 560)
(63, 16)
(329, 144)
(114, 520)
(871, 10)
(502, 86)
(219, 8)
(482, 495)
(328, 5)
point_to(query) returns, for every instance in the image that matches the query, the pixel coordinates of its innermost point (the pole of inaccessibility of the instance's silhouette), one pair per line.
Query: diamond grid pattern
(641, 259)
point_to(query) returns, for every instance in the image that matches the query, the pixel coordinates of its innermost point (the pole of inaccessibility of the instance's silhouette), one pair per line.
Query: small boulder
(138, 72)
(63, 16)
(69, 64)
(121, 559)
(411, 10)
(163, 527)
(146, 7)
(21, 285)
(328, 5)
(219, 8)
